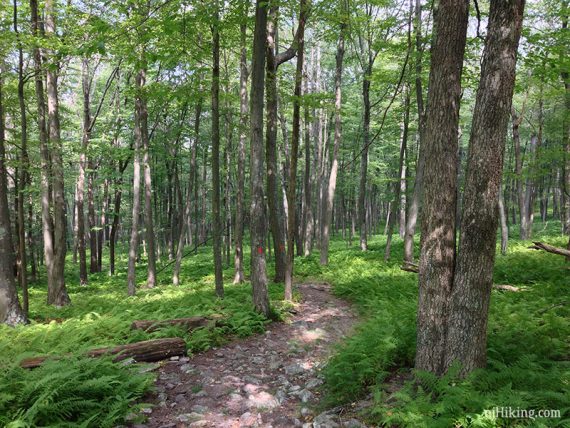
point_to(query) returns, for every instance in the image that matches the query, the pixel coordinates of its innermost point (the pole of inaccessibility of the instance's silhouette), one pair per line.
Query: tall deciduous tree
(437, 261)
(294, 153)
(329, 197)
(216, 220)
(257, 210)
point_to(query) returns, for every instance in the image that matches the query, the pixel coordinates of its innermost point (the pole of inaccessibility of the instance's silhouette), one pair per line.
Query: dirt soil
(266, 380)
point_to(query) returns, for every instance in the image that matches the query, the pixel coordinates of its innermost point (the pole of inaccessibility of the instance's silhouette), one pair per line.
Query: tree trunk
(504, 226)
(398, 183)
(80, 186)
(274, 200)
(523, 207)
(469, 303)
(420, 165)
(216, 218)
(187, 205)
(148, 218)
(10, 311)
(440, 181)
(364, 157)
(24, 167)
(243, 111)
(257, 211)
(56, 249)
(328, 207)
(138, 143)
(308, 221)
(294, 154)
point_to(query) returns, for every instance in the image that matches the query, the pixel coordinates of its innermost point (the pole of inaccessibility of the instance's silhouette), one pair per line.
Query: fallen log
(146, 351)
(550, 249)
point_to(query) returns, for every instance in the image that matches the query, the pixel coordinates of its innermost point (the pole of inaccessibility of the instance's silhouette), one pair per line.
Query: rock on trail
(266, 380)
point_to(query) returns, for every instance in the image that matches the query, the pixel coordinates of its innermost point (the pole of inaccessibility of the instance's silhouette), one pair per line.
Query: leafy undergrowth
(528, 349)
(75, 391)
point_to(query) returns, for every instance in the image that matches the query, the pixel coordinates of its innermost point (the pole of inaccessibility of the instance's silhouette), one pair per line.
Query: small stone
(305, 395)
(184, 359)
(353, 423)
(199, 424)
(313, 383)
(201, 393)
(197, 408)
(180, 398)
(219, 355)
(306, 412)
(189, 417)
(146, 410)
(294, 369)
(247, 420)
(175, 358)
(281, 395)
(172, 425)
(170, 385)
(257, 360)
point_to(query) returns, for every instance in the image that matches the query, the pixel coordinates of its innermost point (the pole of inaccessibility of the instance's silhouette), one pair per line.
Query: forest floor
(265, 380)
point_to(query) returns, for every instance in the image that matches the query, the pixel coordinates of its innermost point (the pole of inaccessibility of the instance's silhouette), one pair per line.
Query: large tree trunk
(294, 154)
(257, 211)
(328, 206)
(243, 107)
(52, 170)
(469, 303)
(274, 201)
(10, 311)
(134, 241)
(216, 218)
(420, 165)
(437, 259)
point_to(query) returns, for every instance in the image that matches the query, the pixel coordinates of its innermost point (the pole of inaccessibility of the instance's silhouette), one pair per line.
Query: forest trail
(266, 380)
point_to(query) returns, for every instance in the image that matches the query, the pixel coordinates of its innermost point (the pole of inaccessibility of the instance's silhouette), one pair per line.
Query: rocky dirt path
(267, 380)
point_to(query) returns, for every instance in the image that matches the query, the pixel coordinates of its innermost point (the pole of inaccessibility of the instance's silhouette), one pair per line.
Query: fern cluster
(75, 392)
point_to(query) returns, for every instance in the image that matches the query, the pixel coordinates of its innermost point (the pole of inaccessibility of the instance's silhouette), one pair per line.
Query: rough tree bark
(469, 302)
(437, 259)
(257, 210)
